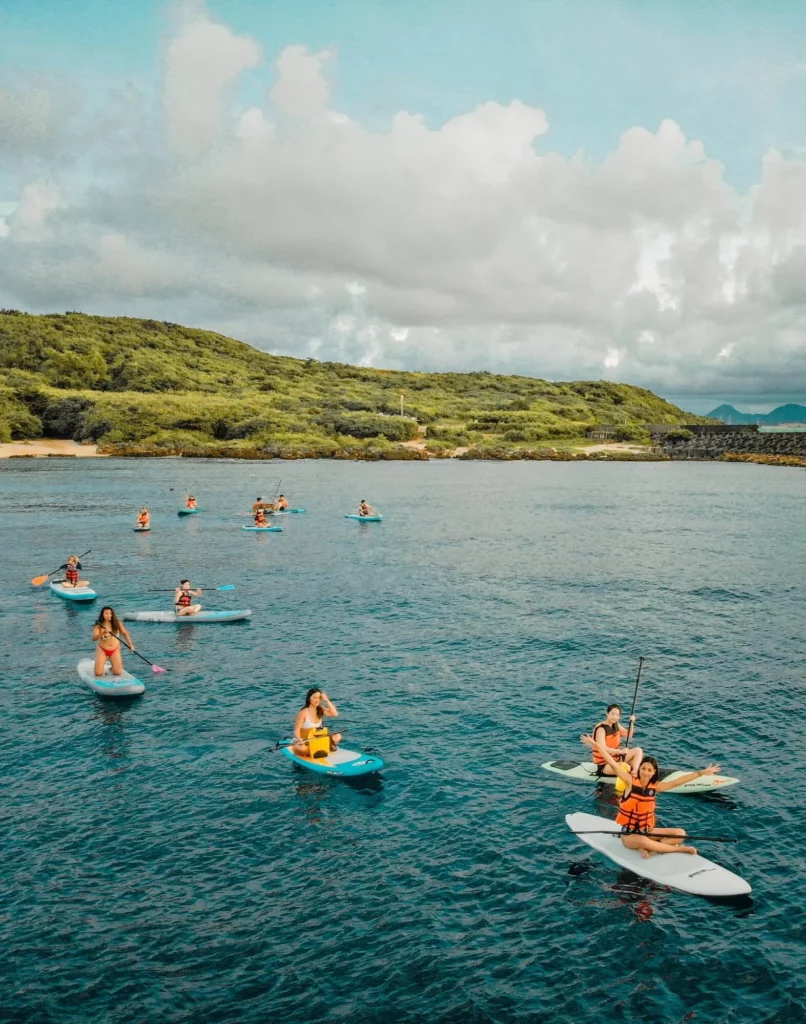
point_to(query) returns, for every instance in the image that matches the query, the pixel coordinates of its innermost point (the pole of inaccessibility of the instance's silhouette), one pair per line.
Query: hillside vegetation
(141, 385)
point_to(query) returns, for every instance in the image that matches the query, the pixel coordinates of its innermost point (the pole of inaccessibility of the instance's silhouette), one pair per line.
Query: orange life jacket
(636, 811)
(613, 734)
(71, 575)
(184, 600)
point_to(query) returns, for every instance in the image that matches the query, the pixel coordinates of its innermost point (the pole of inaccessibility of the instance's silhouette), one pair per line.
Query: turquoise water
(159, 863)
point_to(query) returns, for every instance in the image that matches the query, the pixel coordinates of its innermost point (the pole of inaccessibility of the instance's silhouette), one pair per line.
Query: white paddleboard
(684, 871)
(585, 771)
(108, 685)
(203, 616)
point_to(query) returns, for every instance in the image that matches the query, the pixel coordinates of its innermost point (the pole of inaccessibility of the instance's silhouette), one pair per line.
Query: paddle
(170, 590)
(290, 743)
(39, 580)
(655, 835)
(154, 668)
(634, 699)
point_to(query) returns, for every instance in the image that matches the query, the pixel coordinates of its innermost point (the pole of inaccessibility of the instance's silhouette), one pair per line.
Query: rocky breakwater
(742, 445)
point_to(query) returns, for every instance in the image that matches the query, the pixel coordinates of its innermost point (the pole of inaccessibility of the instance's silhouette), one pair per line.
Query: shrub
(393, 428)
(679, 435)
(66, 418)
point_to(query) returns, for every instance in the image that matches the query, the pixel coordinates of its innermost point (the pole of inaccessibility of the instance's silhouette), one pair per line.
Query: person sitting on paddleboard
(106, 631)
(364, 509)
(636, 813)
(183, 599)
(144, 519)
(190, 502)
(282, 504)
(72, 568)
(611, 732)
(317, 707)
(260, 518)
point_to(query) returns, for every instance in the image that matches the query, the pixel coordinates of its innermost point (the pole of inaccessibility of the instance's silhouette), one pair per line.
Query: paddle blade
(38, 580)
(156, 669)
(229, 586)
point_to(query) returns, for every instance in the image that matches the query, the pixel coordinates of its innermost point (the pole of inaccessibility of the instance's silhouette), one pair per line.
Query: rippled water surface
(159, 863)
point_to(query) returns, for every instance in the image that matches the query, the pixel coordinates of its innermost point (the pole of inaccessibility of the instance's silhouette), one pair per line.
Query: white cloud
(468, 245)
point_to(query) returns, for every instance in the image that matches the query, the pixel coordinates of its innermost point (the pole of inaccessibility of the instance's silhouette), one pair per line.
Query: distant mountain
(783, 414)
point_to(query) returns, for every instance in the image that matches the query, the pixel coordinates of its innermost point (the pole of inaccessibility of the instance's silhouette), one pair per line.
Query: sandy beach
(47, 446)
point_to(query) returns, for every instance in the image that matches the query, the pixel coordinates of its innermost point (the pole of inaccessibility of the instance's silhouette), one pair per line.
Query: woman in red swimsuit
(106, 632)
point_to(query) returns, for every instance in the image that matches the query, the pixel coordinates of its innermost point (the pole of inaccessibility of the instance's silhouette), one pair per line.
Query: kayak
(365, 519)
(223, 616)
(72, 593)
(188, 511)
(586, 771)
(684, 871)
(264, 529)
(108, 685)
(342, 762)
(141, 529)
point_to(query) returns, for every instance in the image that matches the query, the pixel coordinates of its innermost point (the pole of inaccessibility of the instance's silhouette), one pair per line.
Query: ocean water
(158, 862)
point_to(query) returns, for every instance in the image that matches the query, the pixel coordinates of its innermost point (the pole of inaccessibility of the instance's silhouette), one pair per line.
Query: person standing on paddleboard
(309, 721)
(610, 732)
(183, 599)
(636, 813)
(106, 632)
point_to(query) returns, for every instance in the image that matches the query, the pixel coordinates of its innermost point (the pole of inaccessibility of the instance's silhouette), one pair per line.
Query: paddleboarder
(183, 599)
(610, 732)
(282, 503)
(190, 502)
(636, 813)
(106, 633)
(310, 721)
(144, 519)
(72, 570)
(365, 509)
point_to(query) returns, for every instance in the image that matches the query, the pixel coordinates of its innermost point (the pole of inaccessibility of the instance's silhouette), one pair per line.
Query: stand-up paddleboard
(684, 871)
(365, 519)
(108, 685)
(341, 762)
(188, 511)
(72, 593)
(295, 511)
(211, 616)
(585, 771)
(141, 529)
(263, 529)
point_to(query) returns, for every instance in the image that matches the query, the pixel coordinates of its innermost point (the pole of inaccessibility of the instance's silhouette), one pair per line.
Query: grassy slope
(119, 380)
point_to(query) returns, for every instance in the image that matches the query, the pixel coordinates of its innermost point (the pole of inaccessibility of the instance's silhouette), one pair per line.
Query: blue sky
(197, 195)
(731, 73)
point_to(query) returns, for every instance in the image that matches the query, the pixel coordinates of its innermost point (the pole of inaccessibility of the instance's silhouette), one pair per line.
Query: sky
(569, 190)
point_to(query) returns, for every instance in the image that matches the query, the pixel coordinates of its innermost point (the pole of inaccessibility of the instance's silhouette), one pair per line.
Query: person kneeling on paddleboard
(105, 632)
(183, 599)
(364, 509)
(72, 568)
(144, 519)
(611, 732)
(312, 737)
(190, 502)
(636, 813)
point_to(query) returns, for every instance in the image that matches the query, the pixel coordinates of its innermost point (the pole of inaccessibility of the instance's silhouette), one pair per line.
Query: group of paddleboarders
(640, 784)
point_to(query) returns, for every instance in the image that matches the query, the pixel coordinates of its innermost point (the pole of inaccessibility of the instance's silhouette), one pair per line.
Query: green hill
(141, 385)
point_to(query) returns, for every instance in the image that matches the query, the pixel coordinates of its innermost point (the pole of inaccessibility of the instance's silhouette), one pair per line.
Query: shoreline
(50, 448)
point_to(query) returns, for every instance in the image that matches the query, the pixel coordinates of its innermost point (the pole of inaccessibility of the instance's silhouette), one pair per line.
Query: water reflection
(115, 740)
